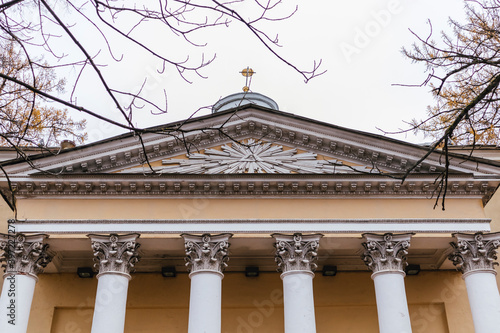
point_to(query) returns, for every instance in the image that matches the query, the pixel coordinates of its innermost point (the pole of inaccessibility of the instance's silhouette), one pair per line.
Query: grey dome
(242, 98)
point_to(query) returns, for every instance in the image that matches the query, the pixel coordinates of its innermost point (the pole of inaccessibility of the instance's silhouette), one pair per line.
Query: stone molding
(386, 253)
(24, 255)
(115, 254)
(206, 252)
(296, 252)
(475, 252)
(248, 185)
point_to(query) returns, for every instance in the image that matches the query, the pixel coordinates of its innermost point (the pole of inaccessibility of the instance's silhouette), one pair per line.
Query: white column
(205, 302)
(206, 258)
(385, 255)
(296, 256)
(25, 257)
(475, 257)
(115, 256)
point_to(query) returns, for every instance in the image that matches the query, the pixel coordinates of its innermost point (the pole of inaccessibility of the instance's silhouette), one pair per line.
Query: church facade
(250, 220)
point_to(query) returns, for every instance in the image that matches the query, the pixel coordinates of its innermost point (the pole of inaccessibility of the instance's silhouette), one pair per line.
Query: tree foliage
(85, 37)
(26, 119)
(464, 75)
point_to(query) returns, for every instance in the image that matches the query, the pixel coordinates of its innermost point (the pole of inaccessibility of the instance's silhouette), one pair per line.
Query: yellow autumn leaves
(26, 119)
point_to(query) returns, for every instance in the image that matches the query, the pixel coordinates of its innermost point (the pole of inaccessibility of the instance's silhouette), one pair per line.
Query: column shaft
(115, 257)
(25, 257)
(296, 256)
(484, 301)
(15, 303)
(110, 304)
(385, 255)
(475, 255)
(206, 258)
(298, 301)
(392, 307)
(205, 302)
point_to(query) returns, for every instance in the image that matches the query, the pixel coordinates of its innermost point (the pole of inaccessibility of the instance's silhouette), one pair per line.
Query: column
(296, 257)
(24, 258)
(115, 257)
(385, 255)
(475, 255)
(206, 259)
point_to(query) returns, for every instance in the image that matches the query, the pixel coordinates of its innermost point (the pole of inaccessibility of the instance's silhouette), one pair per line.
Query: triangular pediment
(287, 141)
(265, 151)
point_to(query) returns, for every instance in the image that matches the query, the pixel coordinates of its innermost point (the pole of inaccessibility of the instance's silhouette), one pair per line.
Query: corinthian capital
(476, 252)
(115, 253)
(206, 252)
(296, 252)
(386, 253)
(24, 254)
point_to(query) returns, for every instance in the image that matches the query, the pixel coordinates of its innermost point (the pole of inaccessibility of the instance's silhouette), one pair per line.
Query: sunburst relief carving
(253, 157)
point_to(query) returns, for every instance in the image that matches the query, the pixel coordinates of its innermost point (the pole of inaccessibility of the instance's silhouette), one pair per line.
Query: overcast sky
(359, 43)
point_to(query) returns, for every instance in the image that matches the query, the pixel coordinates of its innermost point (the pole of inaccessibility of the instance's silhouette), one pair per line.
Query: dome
(244, 98)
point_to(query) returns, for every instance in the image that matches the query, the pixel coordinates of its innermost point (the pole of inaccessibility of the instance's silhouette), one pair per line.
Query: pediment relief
(252, 156)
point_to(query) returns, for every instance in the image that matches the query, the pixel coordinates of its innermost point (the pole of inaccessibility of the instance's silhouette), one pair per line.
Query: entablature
(251, 185)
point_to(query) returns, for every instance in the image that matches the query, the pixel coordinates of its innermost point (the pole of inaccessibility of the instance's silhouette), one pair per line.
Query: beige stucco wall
(335, 208)
(345, 303)
(492, 211)
(5, 214)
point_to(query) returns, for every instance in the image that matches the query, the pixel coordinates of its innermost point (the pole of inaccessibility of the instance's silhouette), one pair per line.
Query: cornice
(249, 185)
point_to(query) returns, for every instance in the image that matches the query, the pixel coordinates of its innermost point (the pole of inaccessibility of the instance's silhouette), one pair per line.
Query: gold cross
(247, 73)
